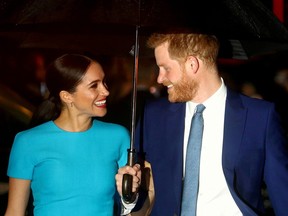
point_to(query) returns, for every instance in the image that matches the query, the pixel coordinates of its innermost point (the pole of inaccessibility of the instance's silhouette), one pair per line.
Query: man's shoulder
(249, 101)
(163, 103)
(256, 102)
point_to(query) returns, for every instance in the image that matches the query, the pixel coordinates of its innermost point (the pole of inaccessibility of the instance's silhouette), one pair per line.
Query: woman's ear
(66, 97)
(193, 63)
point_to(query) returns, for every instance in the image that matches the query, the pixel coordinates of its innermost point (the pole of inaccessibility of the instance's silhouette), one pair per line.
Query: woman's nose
(105, 91)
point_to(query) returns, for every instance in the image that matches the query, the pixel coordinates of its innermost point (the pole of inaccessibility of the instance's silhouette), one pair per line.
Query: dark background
(29, 41)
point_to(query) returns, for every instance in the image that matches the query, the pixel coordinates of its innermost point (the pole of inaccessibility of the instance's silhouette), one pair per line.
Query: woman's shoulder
(37, 129)
(109, 126)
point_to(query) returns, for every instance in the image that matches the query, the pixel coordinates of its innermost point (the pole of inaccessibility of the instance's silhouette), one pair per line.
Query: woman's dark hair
(65, 73)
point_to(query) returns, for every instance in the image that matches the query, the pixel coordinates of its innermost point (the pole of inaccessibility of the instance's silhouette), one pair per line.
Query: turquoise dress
(71, 173)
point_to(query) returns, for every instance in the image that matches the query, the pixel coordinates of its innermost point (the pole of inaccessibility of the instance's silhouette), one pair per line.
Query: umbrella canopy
(107, 26)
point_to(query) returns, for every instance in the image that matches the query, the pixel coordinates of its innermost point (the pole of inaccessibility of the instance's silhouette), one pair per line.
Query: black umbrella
(98, 26)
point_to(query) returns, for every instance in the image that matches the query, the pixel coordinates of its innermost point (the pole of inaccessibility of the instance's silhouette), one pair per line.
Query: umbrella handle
(127, 194)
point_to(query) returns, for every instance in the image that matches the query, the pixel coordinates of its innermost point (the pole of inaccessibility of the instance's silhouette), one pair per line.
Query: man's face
(173, 75)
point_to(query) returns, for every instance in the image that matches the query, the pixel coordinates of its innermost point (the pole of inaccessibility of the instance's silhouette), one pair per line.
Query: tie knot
(200, 108)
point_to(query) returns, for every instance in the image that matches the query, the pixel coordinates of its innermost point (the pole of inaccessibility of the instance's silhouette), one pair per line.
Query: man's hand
(147, 184)
(135, 171)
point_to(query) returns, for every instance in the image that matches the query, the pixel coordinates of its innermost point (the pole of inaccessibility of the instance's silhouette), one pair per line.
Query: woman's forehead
(94, 72)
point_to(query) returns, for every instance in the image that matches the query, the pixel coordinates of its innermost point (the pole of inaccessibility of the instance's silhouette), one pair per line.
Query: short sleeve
(20, 160)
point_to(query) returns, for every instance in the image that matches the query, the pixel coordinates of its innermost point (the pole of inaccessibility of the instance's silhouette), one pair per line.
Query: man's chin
(172, 99)
(177, 99)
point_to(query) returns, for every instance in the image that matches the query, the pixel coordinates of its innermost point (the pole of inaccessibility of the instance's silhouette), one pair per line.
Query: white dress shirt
(214, 197)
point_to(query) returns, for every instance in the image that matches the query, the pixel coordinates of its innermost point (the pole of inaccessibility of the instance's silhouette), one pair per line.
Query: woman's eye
(94, 85)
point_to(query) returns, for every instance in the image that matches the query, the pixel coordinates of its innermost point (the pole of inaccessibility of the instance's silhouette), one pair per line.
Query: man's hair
(182, 45)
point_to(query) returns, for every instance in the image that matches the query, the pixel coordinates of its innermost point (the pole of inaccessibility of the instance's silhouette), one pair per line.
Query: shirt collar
(214, 99)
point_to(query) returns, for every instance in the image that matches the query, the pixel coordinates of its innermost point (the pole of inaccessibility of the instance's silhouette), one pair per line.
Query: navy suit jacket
(254, 149)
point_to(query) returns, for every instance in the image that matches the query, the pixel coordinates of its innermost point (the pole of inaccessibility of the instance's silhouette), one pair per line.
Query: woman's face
(90, 95)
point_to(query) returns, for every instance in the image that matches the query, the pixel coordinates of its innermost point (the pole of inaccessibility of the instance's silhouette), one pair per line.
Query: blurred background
(253, 58)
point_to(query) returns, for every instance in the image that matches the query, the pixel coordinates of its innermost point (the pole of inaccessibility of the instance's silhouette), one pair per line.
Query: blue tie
(191, 180)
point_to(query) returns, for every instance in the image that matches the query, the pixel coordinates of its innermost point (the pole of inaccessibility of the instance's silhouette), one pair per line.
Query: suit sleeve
(276, 164)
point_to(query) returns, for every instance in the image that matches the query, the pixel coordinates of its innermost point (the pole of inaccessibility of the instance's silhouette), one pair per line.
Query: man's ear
(192, 63)
(65, 96)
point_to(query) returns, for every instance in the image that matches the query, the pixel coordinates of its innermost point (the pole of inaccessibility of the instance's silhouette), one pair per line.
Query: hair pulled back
(64, 73)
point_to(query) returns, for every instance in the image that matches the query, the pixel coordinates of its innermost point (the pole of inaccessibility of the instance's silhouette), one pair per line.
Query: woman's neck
(73, 123)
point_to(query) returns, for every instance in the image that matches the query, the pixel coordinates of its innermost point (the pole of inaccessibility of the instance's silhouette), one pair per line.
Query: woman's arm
(19, 191)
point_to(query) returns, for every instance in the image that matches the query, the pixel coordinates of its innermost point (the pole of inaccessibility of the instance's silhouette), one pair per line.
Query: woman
(70, 160)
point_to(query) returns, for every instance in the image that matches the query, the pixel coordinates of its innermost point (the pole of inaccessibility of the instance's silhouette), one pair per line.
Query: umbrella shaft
(134, 95)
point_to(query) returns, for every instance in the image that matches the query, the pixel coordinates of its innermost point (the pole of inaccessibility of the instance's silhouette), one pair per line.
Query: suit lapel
(175, 129)
(234, 123)
(235, 118)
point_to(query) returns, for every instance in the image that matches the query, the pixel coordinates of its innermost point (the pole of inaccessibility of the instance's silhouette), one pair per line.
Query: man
(242, 146)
